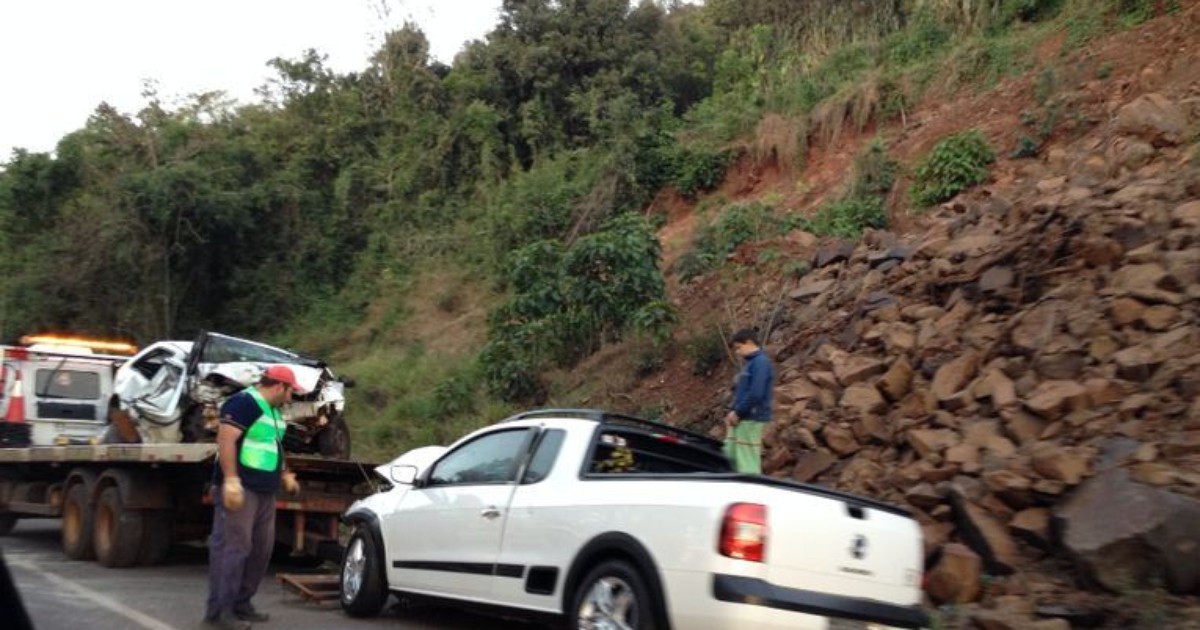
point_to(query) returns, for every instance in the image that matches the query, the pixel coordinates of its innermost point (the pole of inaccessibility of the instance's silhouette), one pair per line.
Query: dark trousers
(239, 550)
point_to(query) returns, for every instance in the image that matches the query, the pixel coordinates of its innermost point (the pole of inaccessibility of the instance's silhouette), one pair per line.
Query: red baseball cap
(284, 374)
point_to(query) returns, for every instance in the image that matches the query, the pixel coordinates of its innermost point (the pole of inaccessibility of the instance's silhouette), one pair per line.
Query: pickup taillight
(744, 532)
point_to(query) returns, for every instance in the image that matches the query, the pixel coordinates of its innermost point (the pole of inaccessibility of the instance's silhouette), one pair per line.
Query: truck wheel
(362, 581)
(334, 441)
(7, 523)
(613, 595)
(118, 532)
(77, 524)
(156, 537)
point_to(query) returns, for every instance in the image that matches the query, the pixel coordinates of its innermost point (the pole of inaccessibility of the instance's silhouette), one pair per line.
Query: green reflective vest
(260, 445)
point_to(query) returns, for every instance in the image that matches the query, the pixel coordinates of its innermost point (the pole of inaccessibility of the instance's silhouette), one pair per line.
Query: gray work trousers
(239, 551)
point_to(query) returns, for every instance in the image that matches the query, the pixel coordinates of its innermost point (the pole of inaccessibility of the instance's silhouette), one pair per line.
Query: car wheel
(117, 531)
(334, 441)
(77, 524)
(363, 592)
(613, 595)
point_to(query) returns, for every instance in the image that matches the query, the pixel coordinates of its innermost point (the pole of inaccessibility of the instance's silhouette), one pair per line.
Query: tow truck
(125, 504)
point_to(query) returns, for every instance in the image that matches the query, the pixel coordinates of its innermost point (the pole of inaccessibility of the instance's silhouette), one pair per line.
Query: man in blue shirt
(751, 408)
(248, 474)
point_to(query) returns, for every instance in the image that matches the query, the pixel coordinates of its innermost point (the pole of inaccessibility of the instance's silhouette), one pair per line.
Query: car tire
(363, 590)
(77, 524)
(612, 591)
(117, 531)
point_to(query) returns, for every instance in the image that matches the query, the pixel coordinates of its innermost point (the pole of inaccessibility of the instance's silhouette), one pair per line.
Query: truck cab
(62, 394)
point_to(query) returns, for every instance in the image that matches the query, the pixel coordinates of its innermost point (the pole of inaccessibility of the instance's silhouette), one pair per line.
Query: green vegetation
(864, 205)
(955, 163)
(734, 225)
(310, 217)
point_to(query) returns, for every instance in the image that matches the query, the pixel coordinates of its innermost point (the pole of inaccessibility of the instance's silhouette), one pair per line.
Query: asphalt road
(62, 594)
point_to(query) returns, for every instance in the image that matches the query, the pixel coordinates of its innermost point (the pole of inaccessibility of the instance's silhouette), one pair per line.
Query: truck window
(222, 349)
(72, 384)
(635, 451)
(150, 364)
(545, 455)
(491, 458)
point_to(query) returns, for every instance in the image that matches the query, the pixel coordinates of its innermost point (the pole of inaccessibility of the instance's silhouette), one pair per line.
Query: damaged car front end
(171, 392)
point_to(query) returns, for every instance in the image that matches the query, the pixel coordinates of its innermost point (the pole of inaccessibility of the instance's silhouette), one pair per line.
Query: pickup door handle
(490, 512)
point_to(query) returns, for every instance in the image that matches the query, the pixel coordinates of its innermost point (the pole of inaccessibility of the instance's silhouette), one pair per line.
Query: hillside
(1017, 365)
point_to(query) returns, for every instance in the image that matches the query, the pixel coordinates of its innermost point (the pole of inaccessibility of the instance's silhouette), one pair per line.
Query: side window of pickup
(491, 458)
(545, 455)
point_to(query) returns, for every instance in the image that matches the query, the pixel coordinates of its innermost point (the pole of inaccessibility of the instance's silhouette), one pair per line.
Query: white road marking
(140, 618)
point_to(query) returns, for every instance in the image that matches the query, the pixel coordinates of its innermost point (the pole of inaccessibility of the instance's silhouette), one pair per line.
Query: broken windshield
(222, 349)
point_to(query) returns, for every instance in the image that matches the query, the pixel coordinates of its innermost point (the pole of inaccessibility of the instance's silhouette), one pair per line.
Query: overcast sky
(59, 59)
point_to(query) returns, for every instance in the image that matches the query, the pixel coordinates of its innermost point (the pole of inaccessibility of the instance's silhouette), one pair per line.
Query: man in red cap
(247, 476)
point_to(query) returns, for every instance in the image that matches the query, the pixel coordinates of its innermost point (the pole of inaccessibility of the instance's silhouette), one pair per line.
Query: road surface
(62, 594)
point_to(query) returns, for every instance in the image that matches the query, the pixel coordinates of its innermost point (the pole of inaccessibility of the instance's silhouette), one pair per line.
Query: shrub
(864, 204)
(706, 351)
(717, 240)
(567, 301)
(848, 217)
(696, 171)
(955, 163)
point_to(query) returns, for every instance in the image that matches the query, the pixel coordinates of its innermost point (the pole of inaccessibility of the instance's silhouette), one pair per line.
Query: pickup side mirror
(404, 474)
(347, 382)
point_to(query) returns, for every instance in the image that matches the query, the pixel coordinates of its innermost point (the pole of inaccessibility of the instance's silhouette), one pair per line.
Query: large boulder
(1124, 535)
(1154, 118)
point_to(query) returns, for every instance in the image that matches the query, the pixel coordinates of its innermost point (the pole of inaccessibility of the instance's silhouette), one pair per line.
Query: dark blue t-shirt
(241, 410)
(752, 398)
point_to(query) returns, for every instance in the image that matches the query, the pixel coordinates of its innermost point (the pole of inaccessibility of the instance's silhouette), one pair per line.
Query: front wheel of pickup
(363, 592)
(613, 595)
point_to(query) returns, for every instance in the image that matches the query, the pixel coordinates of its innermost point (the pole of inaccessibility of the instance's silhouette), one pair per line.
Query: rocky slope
(1022, 371)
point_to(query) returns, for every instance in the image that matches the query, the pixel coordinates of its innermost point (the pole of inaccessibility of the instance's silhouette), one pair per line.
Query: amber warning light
(67, 343)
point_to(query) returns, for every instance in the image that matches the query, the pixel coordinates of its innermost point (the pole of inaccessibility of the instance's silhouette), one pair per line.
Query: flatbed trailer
(125, 505)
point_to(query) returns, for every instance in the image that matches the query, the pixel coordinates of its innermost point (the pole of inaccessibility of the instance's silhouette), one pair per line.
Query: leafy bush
(455, 396)
(848, 217)
(706, 351)
(955, 163)
(567, 301)
(696, 171)
(864, 205)
(717, 240)
(923, 39)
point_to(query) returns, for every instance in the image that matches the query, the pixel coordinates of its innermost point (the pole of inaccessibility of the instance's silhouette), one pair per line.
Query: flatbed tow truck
(125, 505)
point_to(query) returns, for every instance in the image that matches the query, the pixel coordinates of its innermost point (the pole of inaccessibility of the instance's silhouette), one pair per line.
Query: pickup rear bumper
(755, 592)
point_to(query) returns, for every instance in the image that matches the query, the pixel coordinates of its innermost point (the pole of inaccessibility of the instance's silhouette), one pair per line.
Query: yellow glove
(290, 485)
(232, 494)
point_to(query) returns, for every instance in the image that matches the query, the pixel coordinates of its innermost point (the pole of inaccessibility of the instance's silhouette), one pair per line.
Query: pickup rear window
(627, 450)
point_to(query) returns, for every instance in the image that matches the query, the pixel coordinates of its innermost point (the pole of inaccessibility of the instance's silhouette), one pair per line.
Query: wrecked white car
(171, 392)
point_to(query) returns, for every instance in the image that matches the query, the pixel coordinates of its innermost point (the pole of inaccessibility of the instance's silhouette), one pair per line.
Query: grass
(405, 397)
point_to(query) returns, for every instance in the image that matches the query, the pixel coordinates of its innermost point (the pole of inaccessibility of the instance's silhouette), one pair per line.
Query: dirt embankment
(1020, 366)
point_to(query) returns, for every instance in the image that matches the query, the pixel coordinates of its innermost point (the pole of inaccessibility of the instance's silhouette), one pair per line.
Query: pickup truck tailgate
(844, 547)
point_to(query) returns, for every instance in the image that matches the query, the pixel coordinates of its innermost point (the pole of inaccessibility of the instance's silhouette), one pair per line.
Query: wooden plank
(319, 588)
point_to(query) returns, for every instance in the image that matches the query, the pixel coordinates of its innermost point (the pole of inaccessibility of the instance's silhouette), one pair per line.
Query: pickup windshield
(628, 450)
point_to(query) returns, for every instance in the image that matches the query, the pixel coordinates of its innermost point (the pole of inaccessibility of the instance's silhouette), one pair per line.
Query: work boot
(226, 621)
(246, 612)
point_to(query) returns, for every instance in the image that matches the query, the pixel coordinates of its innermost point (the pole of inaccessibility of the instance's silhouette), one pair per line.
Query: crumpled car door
(155, 387)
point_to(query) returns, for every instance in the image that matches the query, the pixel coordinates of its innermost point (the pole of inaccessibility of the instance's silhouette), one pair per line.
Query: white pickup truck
(598, 520)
